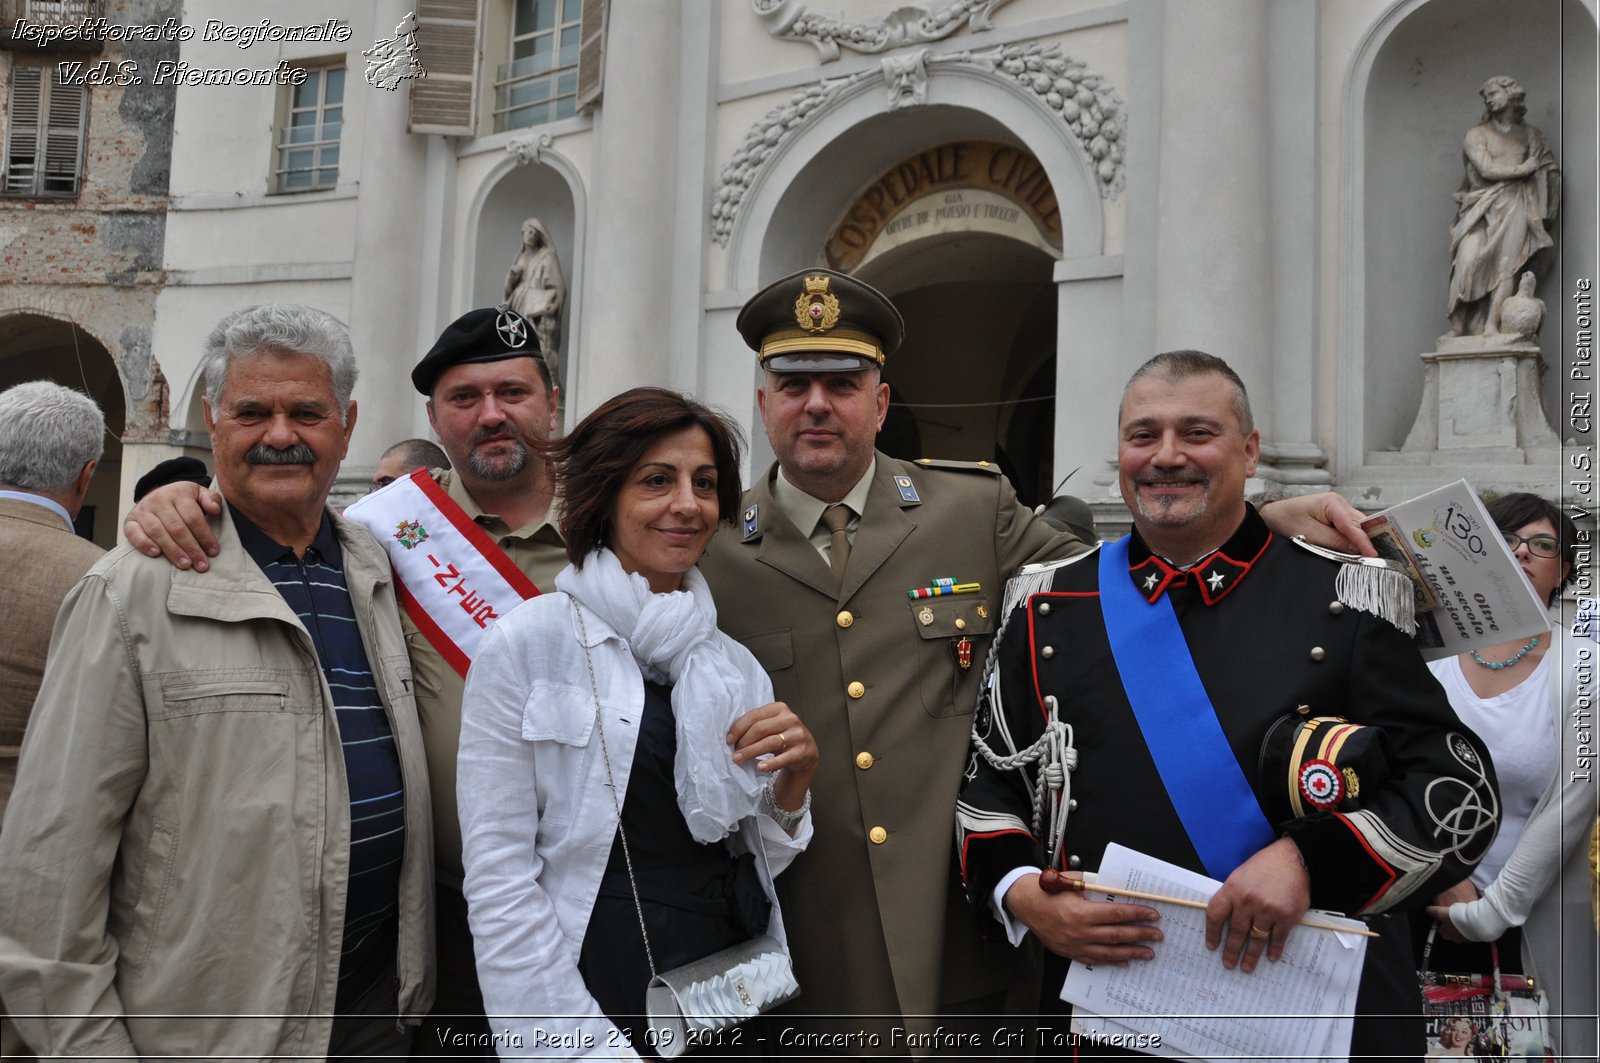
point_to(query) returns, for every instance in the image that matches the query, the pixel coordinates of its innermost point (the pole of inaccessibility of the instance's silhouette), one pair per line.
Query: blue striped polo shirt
(314, 587)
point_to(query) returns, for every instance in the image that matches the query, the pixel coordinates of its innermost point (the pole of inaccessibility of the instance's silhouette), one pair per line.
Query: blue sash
(1204, 782)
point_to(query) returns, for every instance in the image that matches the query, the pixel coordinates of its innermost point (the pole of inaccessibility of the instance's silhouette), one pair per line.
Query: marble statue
(536, 289)
(1523, 313)
(1510, 190)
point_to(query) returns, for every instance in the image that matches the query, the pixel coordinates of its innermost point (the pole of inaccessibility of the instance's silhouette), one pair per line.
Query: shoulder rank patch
(908, 490)
(1371, 585)
(960, 466)
(1036, 579)
(752, 524)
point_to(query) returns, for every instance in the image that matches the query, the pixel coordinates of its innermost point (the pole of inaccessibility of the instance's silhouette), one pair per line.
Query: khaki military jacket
(877, 923)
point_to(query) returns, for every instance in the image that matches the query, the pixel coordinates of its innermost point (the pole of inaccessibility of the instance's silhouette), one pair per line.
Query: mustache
(504, 428)
(295, 454)
(1155, 478)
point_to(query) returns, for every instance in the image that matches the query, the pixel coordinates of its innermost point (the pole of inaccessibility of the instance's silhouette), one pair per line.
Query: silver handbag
(714, 992)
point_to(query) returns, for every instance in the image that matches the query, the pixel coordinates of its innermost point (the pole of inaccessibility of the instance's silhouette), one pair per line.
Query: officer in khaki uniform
(886, 682)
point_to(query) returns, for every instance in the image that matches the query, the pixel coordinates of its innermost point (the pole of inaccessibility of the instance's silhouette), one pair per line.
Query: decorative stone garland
(1091, 108)
(792, 20)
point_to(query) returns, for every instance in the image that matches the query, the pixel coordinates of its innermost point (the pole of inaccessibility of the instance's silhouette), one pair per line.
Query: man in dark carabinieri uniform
(1267, 632)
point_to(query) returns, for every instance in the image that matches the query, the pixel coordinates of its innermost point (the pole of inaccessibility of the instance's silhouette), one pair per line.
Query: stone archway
(777, 212)
(37, 346)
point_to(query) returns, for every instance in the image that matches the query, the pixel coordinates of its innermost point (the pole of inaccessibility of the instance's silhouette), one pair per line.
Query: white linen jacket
(1544, 886)
(537, 818)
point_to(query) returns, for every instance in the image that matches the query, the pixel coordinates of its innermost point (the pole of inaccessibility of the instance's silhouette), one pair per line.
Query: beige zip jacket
(173, 861)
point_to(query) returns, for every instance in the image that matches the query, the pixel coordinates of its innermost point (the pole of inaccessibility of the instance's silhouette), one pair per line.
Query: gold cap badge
(817, 309)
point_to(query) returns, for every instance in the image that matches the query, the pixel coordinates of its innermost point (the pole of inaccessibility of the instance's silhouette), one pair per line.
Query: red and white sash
(453, 580)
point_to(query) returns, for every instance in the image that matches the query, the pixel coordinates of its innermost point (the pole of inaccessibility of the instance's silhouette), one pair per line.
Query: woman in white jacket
(1530, 892)
(712, 776)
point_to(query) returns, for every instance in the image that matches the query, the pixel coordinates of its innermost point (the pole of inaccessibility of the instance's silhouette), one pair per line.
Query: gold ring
(784, 739)
(1257, 932)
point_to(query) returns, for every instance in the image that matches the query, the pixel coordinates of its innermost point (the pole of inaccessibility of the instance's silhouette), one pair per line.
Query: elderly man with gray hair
(50, 441)
(219, 843)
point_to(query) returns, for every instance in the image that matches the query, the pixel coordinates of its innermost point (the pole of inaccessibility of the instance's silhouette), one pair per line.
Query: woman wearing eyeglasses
(1530, 891)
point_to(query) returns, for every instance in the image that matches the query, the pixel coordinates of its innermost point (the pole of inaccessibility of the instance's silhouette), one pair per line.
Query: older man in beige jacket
(219, 842)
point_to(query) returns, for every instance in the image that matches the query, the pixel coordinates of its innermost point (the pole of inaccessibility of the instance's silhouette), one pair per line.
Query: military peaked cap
(820, 321)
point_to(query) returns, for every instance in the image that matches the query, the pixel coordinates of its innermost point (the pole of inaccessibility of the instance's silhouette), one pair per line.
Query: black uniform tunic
(1262, 620)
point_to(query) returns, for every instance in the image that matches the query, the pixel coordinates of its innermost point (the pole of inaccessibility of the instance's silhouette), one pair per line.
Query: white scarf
(674, 639)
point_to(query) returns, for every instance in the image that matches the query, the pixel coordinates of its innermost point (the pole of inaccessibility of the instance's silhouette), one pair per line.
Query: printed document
(1299, 1007)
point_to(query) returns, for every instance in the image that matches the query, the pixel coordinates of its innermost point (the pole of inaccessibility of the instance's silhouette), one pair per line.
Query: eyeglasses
(1538, 545)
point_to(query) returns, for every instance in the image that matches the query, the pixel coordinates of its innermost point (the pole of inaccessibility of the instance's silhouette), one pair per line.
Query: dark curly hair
(593, 461)
(1520, 508)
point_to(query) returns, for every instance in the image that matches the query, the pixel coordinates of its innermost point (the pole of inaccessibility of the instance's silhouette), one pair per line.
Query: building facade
(1052, 190)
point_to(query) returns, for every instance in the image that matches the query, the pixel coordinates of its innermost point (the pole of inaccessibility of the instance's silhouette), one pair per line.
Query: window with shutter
(44, 134)
(540, 83)
(591, 53)
(445, 99)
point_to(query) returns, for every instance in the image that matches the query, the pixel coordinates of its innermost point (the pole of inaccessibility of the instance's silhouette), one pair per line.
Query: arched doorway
(975, 378)
(35, 346)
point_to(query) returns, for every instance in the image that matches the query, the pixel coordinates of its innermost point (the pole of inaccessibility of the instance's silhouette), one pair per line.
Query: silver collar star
(1215, 579)
(1151, 581)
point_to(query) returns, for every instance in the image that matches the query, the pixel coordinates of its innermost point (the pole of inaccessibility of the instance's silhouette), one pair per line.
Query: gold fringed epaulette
(1372, 585)
(1035, 579)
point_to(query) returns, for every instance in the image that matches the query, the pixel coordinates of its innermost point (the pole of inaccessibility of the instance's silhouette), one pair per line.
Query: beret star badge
(512, 327)
(817, 309)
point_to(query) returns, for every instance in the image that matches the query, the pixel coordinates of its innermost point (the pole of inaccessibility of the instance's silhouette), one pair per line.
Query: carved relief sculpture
(536, 289)
(1510, 190)
(1087, 105)
(792, 20)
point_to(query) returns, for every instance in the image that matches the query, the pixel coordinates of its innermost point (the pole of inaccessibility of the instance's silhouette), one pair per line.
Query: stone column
(1213, 269)
(384, 301)
(624, 336)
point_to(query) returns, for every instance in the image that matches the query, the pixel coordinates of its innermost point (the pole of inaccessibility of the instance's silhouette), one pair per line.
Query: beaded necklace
(1509, 661)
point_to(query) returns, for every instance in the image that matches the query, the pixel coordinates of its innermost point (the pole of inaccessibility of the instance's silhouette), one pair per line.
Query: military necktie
(836, 517)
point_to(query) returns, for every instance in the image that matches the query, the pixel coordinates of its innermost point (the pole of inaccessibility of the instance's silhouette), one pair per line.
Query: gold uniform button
(845, 618)
(863, 760)
(856, 689)
(961, 625)
(878, 835)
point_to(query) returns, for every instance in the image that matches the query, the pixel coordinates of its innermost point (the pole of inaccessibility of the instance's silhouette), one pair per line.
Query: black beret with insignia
(820, 321)
(488, 334)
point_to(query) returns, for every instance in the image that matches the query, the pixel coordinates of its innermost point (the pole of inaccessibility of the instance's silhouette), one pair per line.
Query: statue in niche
(536, 289)
(1510, 190)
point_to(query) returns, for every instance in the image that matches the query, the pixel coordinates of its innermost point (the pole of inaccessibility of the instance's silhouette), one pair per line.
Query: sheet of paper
(1300, 1006)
